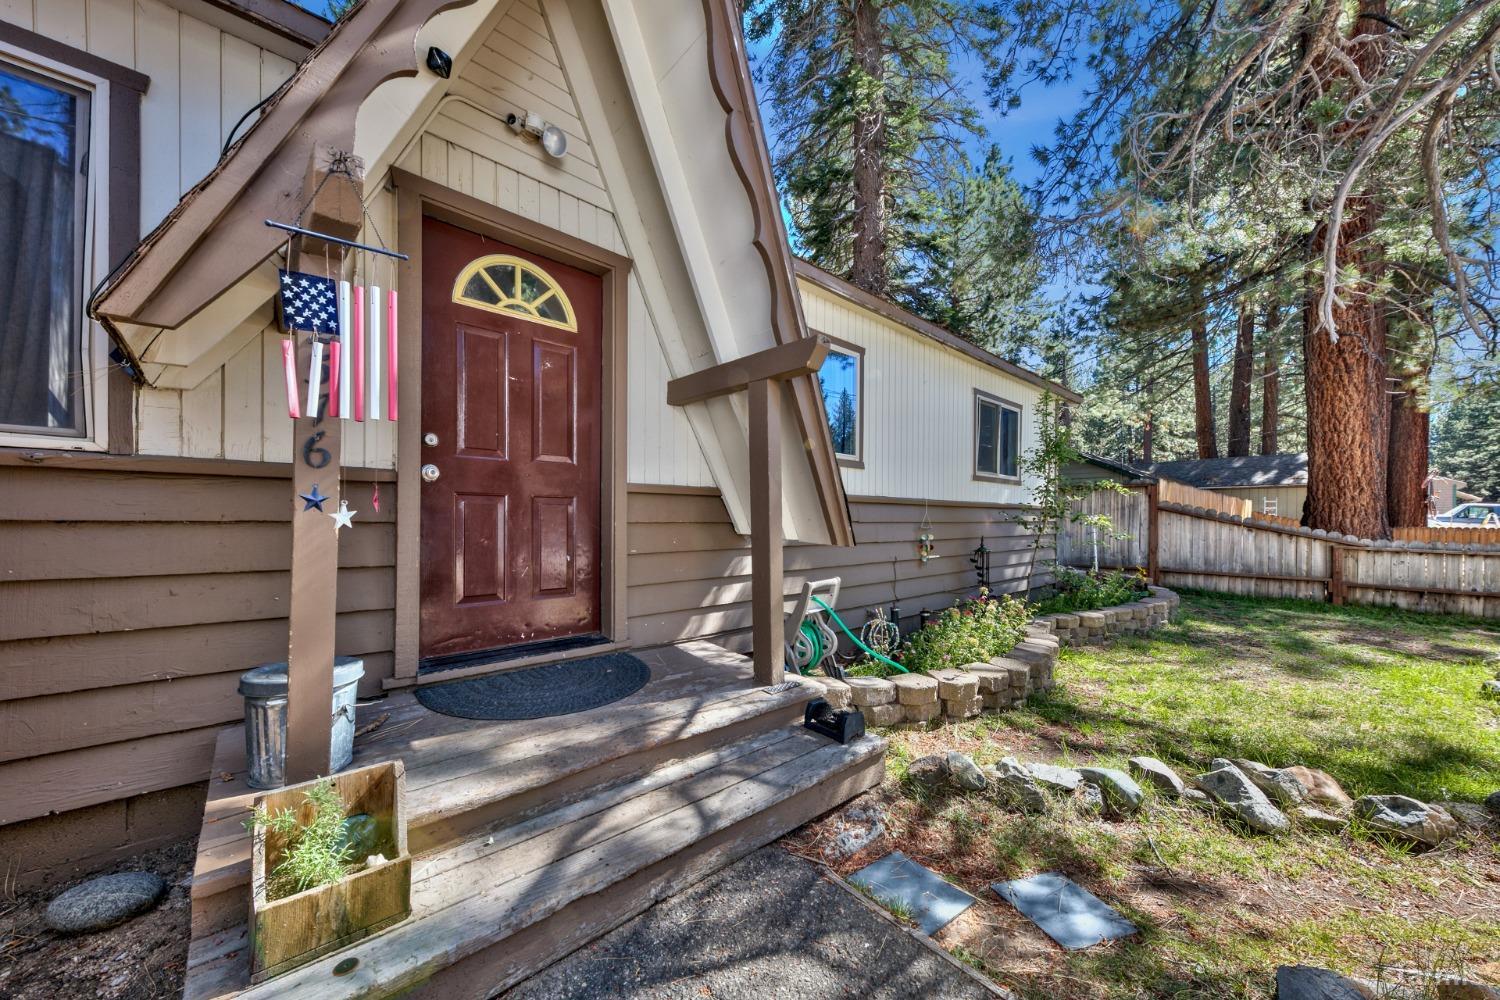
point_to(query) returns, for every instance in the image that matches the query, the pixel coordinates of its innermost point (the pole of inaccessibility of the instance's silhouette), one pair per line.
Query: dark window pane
(986, 457)
(552, 309)
(42, 130)
(1010, 441)
(476, 289)
(839, 378)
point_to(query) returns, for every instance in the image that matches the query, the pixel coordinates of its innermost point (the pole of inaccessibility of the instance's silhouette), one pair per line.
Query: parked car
(1473, 515)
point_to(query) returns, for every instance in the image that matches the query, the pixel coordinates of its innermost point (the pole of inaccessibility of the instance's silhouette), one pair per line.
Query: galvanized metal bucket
(264, 689)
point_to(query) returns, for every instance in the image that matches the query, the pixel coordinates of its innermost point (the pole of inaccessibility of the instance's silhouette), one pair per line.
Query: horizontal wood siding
(689, 572)
(130, 602)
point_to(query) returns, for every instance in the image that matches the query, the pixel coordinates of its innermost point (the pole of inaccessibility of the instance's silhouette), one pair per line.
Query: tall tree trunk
(868, 268)
(1406, 480)
(1270, 383)
(1348, 414)
(1203, 397)
(1239, 386)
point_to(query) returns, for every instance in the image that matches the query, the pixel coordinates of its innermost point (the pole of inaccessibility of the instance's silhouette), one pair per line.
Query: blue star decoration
(314, 499)
(342, 519)
(309, 302)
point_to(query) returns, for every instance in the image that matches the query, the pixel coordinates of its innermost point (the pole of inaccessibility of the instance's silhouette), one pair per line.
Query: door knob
(429, 473)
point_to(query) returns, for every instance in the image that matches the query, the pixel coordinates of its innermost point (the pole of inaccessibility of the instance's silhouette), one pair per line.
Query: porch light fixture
(554, 141)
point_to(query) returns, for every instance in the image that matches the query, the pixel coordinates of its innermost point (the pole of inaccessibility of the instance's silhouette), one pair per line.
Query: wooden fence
(1462, 534)
(1181, 545)
(1175, 492)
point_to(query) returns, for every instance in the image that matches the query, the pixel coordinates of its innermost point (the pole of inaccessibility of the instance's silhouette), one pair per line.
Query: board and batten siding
(689, 572)
(919, 407)
(130, 602)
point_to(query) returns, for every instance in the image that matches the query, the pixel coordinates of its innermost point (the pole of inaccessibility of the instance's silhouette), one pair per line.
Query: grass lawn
(1385, 701)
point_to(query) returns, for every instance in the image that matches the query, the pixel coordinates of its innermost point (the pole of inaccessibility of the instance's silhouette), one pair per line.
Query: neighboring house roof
(1120, 468)
(1243, 471)
(838, 286)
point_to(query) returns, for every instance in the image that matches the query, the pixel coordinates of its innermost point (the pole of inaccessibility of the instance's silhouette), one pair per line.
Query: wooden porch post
(335, 208)
(1153, 533)
(766, 533)
(761, 375)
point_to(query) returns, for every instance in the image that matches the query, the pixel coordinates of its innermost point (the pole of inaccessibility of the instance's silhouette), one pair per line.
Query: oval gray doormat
(539, 692)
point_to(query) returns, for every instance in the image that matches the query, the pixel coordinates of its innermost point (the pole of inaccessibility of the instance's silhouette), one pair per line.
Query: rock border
(1002, 683)
(1091, 627)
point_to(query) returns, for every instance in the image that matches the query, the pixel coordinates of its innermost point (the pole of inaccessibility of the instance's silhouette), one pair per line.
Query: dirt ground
(142, 959)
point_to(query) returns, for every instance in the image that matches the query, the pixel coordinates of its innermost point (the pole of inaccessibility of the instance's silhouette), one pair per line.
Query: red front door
(511, 385)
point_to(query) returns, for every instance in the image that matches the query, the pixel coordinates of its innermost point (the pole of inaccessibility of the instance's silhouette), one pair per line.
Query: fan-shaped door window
(505, 284)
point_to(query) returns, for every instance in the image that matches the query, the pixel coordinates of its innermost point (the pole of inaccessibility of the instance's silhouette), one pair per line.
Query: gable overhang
(688, 76)
(365, 89)
(216, 235)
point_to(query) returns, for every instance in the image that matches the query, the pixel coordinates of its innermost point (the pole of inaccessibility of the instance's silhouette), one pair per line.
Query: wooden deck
(532, 838)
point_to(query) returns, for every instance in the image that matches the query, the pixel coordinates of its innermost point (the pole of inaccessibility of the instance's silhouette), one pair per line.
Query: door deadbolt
(430, 439)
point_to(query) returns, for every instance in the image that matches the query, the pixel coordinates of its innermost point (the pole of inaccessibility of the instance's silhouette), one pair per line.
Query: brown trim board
(280, 17)
(417, 197)
(853, 293)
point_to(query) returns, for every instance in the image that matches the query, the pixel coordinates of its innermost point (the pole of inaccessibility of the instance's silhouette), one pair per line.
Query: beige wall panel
(919, 408)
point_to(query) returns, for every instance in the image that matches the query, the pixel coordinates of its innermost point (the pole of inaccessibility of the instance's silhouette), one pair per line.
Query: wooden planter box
(294, 930)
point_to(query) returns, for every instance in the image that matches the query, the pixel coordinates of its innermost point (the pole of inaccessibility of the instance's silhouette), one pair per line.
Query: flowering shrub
(1080, 591)
(974, 629)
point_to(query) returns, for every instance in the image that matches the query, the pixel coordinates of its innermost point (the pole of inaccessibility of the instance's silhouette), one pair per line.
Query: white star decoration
(342, 518)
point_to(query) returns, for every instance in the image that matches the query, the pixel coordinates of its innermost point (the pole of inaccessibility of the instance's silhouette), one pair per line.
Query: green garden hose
(815, 641)
(855, 639)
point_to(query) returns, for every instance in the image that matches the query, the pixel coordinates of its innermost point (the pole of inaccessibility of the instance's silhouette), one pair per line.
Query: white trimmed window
(1269, 505)
(53, 144)
(997, 438)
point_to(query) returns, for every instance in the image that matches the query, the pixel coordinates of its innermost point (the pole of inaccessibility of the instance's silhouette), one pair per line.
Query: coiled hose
(855, 639)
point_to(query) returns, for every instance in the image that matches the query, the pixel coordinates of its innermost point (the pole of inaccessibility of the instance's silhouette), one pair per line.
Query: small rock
(1120, 790)
(1467, 814)
(1280, 787)
(857, 829)
(1319, 819)
(102, 903)
(1490, 688)
(1154, 772)
(964, 773)
(1196, 796)
(1304, 982)
(1064, 779)
(1012, 784)
(928, 772)
(1090, 798)
(1234, 791)
(1319, 786)
(1492, 803)
(1406, 817)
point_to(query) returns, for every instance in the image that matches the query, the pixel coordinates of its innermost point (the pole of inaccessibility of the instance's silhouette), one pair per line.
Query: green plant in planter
(1075, 590)
(973, 630)
(317, 852)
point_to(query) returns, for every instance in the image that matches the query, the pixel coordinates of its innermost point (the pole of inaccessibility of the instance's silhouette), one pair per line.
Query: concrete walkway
(770, 926)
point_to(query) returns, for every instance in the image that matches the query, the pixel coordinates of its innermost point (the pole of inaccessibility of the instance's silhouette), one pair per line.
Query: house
(1444, 493)
(606, 413)
(1274, 484)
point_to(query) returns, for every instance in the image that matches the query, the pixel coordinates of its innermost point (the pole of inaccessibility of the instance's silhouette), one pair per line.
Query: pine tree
(1466, 442)
(867, 126)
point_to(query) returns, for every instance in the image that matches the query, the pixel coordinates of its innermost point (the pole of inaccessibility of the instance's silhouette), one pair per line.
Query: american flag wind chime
(352, 329)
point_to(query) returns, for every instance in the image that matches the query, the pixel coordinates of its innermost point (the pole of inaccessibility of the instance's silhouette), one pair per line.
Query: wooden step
(502, 904)
(463, 775)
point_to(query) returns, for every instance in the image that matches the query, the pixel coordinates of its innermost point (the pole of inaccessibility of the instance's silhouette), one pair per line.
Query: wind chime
(350, 321)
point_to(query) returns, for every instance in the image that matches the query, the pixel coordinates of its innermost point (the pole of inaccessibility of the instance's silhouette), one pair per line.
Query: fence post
(1336, 574)
(1153, 534)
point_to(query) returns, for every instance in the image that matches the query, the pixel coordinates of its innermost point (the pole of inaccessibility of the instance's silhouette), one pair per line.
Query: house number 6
(314, 455)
